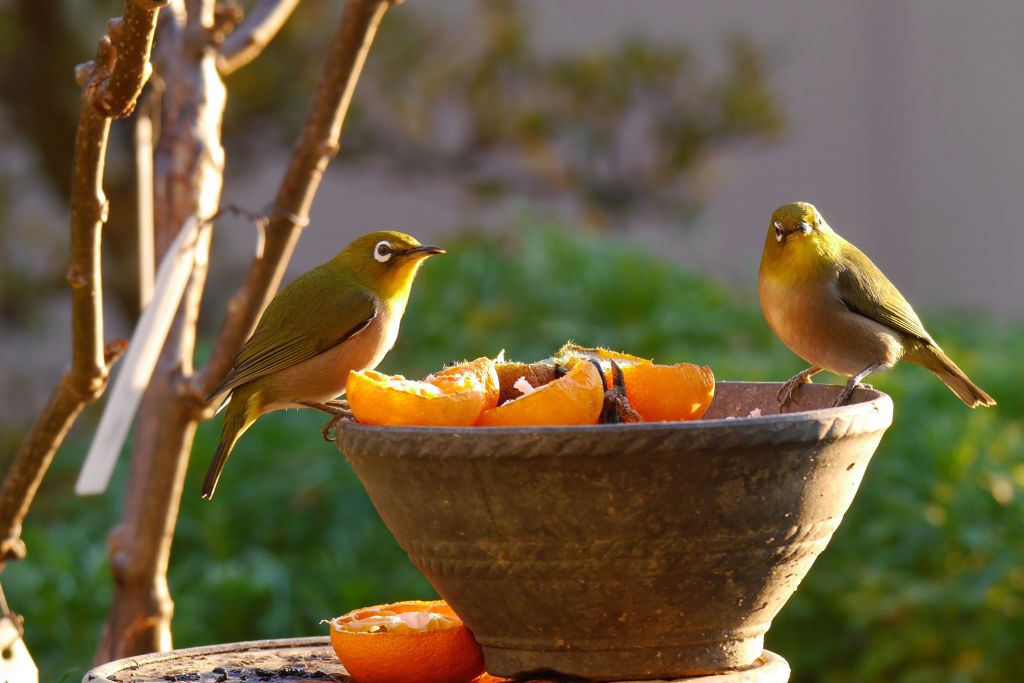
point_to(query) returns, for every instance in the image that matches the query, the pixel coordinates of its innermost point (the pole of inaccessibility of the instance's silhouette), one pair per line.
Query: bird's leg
(338, 410)
(854, 383)
(785, 394)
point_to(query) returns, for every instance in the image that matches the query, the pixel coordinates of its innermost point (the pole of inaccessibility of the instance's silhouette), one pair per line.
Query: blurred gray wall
(905, 130)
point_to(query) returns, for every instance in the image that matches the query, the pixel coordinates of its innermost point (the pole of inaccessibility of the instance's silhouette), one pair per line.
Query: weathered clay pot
(623, 551)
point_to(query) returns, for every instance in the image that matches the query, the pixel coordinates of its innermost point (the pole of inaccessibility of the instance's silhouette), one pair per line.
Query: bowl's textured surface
(623, 551)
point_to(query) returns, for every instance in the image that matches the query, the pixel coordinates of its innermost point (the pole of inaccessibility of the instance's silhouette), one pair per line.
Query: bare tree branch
(131, 37)
(35, 455)
(252, 37)
(140, 546)
(109, 85)
(317, 145)
(188, 176)
(144, 136)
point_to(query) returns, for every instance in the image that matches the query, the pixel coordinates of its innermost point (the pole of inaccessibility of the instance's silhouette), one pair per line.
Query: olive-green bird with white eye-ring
(835, 309)
(341, 316)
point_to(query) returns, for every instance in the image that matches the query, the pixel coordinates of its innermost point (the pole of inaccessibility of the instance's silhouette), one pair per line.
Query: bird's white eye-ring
(779, 234)
(383, 251)
(806, 227)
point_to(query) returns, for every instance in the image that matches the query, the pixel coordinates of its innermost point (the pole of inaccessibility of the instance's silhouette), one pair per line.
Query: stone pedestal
(305, 660)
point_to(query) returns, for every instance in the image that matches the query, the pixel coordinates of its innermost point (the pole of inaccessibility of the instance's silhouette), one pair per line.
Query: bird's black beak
(424, 250)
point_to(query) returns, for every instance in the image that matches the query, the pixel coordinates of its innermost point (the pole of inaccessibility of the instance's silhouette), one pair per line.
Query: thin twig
(110, 85)
(317, 145)
(252, 37)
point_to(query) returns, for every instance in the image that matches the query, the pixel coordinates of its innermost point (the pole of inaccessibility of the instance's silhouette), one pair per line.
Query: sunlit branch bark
(144, 136)
(131, 37)
(188, 177)
(110, 85)
(35, 455)
(255, 33)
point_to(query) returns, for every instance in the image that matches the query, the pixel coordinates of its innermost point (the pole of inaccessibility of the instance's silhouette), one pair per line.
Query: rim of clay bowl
(870, 410)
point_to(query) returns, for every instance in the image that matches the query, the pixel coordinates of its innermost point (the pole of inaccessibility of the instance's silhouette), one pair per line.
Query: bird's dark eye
(779, 234)
(382, 252)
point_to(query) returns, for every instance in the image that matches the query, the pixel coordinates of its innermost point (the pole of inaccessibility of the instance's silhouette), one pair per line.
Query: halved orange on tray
(669, 392)
(406, 642)
(575, 398)
(453, 397)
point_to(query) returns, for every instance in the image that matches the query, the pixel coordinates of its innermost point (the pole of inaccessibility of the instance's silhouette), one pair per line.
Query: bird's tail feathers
(934, 359)
(235, 424)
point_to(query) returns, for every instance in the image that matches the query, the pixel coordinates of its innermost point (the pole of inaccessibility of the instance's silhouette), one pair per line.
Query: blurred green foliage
(923, 583)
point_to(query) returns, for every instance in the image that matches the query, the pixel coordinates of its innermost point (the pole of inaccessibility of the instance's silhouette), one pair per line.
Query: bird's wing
(865, 290)
(282, 338)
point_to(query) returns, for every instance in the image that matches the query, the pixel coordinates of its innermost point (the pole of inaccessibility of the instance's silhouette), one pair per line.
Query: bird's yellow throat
(799, 259)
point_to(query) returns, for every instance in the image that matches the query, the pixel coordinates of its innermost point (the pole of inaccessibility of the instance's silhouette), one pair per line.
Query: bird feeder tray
(309, 660)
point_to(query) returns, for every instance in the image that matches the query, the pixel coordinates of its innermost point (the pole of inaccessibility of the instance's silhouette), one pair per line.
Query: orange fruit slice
(392, 400)
(482, 369)
(574, 399)
(669, 392)
(406, 642)
(600, 354)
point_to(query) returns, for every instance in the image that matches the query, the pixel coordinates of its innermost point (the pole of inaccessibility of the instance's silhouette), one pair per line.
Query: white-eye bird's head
(799, 242)
(386, 261)
(796, 220)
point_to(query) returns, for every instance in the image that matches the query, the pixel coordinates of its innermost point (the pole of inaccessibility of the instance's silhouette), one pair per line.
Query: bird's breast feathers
(323, 377)
(813, 322)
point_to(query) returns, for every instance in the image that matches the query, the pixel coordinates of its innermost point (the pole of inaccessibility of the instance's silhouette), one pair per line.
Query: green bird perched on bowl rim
(835, 309)
(340, 316)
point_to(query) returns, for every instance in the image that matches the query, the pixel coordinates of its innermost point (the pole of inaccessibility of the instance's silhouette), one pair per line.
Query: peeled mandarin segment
(669, 392)
(574, 399)
(433, 647)
(482, 370)
(379, 399)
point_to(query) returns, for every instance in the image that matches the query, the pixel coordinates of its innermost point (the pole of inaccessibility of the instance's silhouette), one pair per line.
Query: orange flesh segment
(669, 392)
(576, 398)
(379, 399)
(481, 370)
